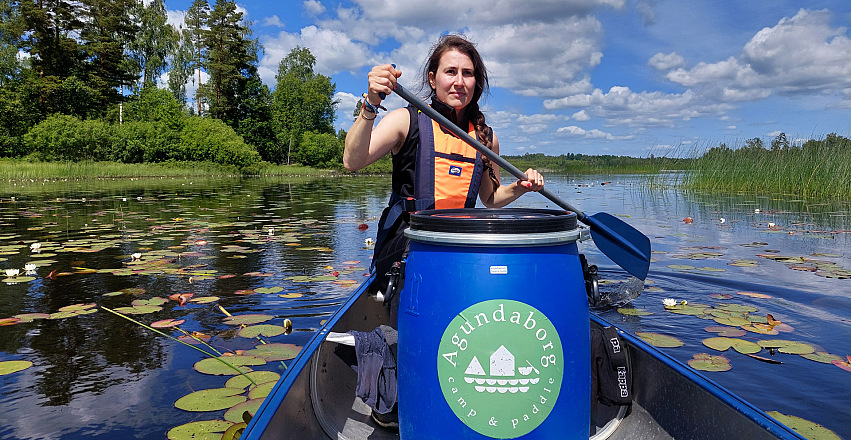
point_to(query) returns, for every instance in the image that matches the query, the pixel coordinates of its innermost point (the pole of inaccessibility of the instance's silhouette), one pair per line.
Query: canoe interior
(316, 397)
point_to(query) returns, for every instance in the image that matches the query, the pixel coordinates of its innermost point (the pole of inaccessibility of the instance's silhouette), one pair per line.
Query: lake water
(294, 249)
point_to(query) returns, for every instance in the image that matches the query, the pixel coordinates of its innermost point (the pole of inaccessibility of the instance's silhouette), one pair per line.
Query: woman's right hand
(382, 79)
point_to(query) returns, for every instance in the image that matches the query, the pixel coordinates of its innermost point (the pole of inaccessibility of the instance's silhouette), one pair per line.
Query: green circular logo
(500, 367)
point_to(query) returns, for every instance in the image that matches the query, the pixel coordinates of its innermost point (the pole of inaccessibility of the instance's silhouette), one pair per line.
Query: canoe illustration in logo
(502, 377)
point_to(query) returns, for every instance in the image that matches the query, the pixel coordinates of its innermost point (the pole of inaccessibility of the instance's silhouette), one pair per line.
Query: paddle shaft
(448, 125)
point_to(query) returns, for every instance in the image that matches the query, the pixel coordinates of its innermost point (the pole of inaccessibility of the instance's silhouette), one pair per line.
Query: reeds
(818, 168)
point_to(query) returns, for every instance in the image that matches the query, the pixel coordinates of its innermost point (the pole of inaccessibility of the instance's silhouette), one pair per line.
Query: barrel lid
(493, 220)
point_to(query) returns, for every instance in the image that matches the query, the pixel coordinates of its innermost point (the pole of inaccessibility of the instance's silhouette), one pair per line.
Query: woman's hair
(451, 42)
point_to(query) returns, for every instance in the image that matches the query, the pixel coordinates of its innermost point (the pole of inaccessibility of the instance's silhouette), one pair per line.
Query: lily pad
(724, 330)
(740, 345)
(823, 357)
(201, 430)
(788, 347)
(257, 376)
(247, 319)
(688, 309)
(804, 427)
(215, 367)
(737, 308)
(708, 362)
(235, 414)
(9, 367)
(260, 391)
(204, 299)
(659, 340)
(166, 323)
(275, 351)
(275, 289)
(755, 295)
(291, 295)
(211, 400)
(266, 330)
(763, 329)
(631, 311)
(733, 321)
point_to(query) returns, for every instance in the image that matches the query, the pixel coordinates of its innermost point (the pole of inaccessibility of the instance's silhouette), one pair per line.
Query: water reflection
(98, 375)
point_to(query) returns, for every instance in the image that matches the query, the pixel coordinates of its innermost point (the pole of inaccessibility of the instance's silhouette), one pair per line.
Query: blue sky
(622, 77)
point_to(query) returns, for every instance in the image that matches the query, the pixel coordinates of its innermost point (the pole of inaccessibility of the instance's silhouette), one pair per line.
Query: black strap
(620, 392)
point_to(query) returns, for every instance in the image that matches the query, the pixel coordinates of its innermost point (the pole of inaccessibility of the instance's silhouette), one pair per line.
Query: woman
(431, 168)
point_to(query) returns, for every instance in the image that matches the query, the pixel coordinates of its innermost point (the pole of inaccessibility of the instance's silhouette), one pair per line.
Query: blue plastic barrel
(493, 327)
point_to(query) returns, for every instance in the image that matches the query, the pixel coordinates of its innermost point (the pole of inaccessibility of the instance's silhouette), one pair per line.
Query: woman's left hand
(534, 180)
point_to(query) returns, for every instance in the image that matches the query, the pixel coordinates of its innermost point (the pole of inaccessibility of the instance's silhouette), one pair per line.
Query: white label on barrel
(499, 270)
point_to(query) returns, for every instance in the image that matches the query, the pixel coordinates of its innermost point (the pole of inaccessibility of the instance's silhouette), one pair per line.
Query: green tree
(181, 65)
(322, 150)
(196, 27)
(303, 101)
(105, 33)
(253, 119)
(10, 22)
(231, 60)
(153, 44)
(780, 143)
(754, 144)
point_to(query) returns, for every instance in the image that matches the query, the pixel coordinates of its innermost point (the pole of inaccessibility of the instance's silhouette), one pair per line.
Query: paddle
(623, 244)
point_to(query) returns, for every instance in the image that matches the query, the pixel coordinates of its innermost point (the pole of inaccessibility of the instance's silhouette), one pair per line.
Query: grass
(22, 170)
(817, 169)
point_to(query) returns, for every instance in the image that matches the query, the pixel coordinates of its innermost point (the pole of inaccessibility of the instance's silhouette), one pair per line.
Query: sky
(622, 77)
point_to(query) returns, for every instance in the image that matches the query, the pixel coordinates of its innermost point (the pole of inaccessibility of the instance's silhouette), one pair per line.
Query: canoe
(315, 398)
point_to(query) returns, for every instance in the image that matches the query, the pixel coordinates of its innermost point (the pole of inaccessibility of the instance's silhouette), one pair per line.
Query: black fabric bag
(611, 376)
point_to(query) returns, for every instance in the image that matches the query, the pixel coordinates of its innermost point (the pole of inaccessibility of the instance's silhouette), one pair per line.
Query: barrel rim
(493, 221)
(492, 240)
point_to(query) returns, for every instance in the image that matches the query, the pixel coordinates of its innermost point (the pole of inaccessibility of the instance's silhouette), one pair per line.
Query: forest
(105, 80)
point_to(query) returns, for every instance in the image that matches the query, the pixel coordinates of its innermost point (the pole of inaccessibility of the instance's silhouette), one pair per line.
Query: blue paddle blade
(623, 244)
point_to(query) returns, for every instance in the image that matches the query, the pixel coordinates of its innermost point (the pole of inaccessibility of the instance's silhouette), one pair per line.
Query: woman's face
(454, 82)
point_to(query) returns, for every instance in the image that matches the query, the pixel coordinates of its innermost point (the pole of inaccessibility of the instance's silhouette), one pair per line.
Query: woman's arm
(506, 194)
(365, 145)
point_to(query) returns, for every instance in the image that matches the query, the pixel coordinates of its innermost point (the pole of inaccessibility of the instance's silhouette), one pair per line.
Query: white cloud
(801, 54)
(176, 18)
(581, 116)
(575, 131)
(273, 21)
(662, 61)
(622, 106)
(334, 51)
(313, 7)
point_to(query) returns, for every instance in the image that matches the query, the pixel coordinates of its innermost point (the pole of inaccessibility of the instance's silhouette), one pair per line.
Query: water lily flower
(369, 242)
(756, 211)
(35, 247)
(683, 302)
(271, 231)
(669, 302)
(771, 224)
(136, 256)
(30, 268)
(12, 272)
(723, 220)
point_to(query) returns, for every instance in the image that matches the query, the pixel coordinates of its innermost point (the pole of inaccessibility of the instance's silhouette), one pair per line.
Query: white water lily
(136, 256)
(29, 267)
(669, 302)
(271, 231)
(12, 272)
(35, 247)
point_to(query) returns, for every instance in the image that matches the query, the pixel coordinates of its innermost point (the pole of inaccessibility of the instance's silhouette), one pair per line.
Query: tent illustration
(502, 377)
